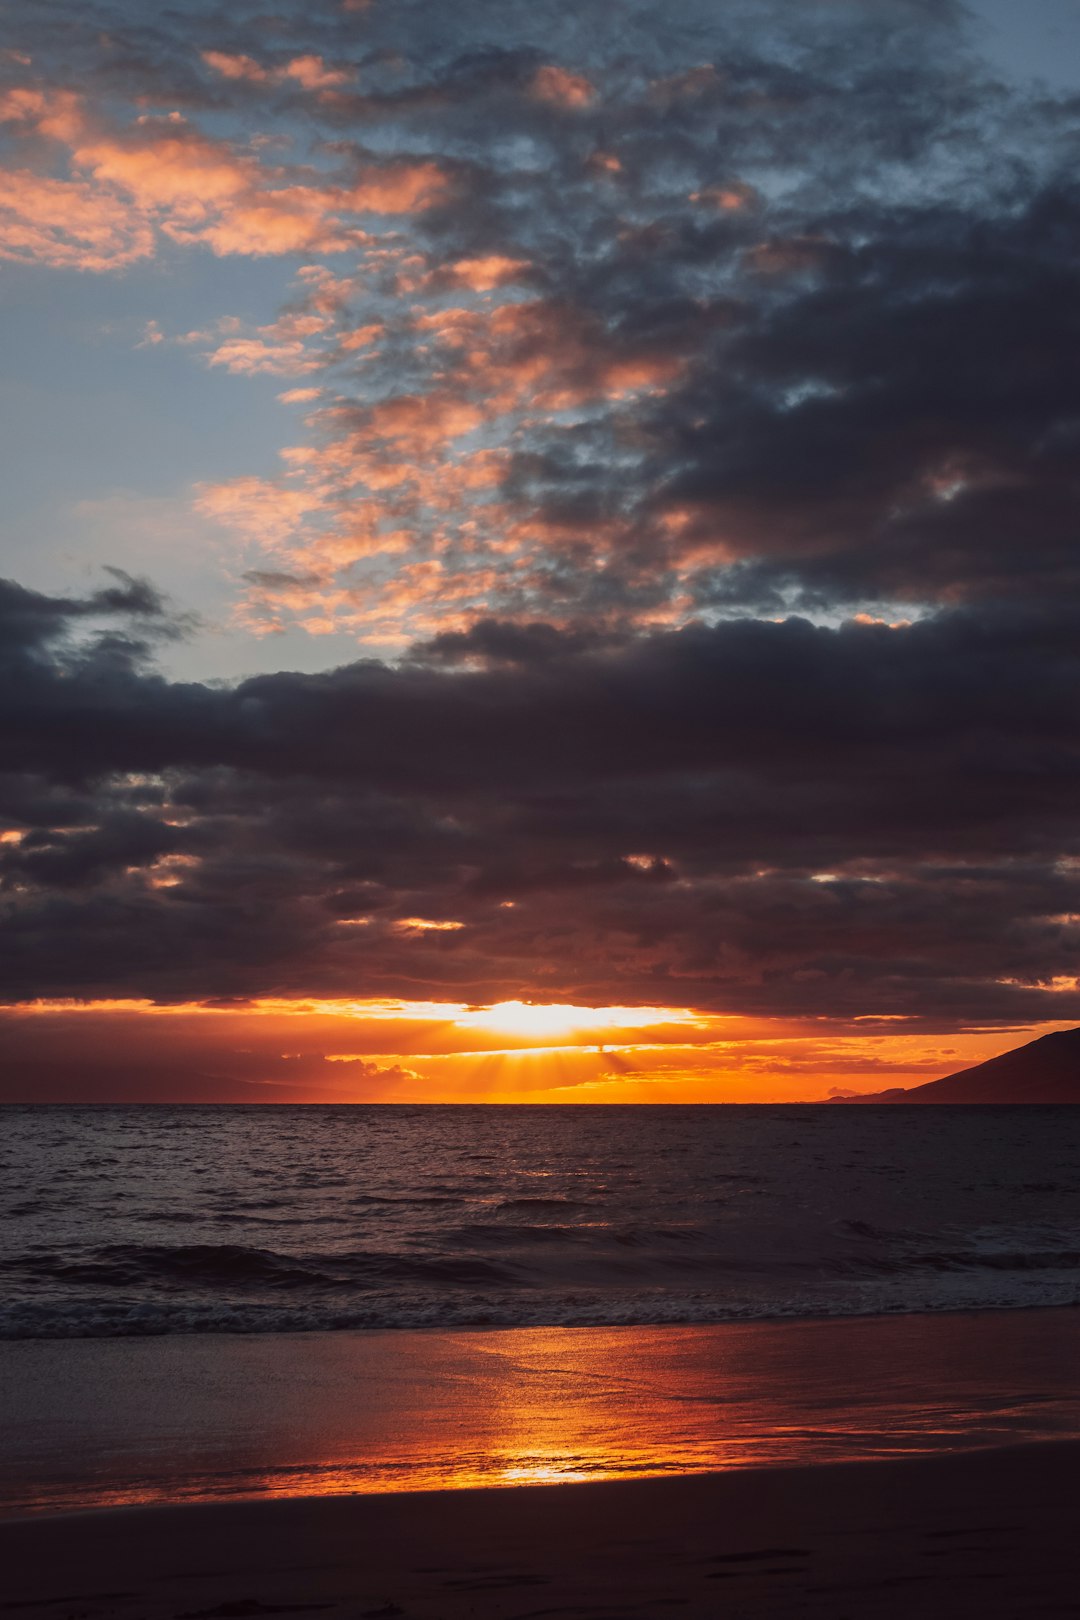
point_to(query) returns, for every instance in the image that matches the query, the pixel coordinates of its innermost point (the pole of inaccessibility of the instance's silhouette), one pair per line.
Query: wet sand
(982, 1534)
(914, 1467)
(111, 1423)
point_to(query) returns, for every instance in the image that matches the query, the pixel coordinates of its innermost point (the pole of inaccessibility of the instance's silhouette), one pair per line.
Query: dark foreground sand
(982, 1534)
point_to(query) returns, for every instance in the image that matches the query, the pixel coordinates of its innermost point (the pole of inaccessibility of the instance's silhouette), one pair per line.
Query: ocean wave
(65, 1318)
(233, 1265)
(489, 1235)
(962, 1260)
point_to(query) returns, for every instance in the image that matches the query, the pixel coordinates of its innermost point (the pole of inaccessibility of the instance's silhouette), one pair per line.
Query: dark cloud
(902, 430)
(29, 619)
(756, 817)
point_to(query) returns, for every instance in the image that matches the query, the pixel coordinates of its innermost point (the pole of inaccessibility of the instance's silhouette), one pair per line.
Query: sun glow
(536, 1021)
(309, 1049)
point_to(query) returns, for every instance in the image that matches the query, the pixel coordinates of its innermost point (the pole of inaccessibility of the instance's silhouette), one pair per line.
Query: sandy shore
(204, 1418)
(986, 1534)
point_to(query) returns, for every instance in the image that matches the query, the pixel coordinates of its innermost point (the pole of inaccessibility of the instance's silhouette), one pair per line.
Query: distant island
(1046, 1070)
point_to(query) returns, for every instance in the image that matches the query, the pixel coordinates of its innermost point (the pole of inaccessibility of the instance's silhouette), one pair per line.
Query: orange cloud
(361, 337)
(248, 356)
(401, 477)
(68, 225)
(167, 165)
(425, 925)
(201, 190)
(398, 188)
(421, 423)
(398, 476)
(260, 509)
(548, 355)
(310, 72)
(484, 274)
(232, 66)
(296, 219)
(56, 114)
(163, 173)
(561, 88)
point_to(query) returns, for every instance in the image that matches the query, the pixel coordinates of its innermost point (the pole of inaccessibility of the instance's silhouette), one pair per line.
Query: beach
(914, 1465)
(989, 1534)
(92, 1424)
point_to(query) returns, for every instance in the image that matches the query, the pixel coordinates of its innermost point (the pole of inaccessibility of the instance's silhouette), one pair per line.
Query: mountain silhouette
(1046, 1070)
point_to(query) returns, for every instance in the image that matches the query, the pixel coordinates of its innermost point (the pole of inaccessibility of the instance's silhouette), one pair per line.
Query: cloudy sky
(540, 507)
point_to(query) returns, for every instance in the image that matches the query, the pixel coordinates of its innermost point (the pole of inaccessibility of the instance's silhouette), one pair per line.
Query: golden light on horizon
(334, 1049)
(540, 1021)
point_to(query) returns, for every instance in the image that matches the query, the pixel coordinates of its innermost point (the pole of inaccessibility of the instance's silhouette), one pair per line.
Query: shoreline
(137, 1513)
(222, 1418)
(594, 1324)
(989, 1533)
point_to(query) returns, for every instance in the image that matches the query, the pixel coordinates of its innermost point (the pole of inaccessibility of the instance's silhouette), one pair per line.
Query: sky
(538, 546)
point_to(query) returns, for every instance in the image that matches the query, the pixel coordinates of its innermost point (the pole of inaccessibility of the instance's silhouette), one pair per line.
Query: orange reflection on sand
(375, 1413)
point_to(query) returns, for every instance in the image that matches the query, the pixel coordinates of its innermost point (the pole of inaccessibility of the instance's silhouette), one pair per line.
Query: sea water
(138, 1220)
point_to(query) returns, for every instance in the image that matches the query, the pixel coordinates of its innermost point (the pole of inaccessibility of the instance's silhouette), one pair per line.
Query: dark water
(135, 1220)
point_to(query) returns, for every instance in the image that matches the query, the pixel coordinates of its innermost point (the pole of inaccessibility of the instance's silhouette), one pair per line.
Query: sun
(536, 1021)
(529, 1020)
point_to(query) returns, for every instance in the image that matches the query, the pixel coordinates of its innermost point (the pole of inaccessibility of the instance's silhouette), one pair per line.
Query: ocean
(134, 1221)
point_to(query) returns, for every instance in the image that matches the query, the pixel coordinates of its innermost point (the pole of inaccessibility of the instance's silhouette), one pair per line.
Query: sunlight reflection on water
(206, 1418)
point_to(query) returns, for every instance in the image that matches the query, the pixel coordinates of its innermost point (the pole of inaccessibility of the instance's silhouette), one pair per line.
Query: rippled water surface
(136, 1220)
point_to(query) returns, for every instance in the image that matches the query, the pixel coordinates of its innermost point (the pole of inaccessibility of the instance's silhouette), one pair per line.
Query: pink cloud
(484, 274)
(249, 356)
(546, 355)
(399, 188)
(195, 188)
(310, 72)
(262, 510)
(401, 477)
(361, 337)
(418, 424)
(295, 219)
(561, 87)
(68, 225)
(235, 67)
(168, 166)
(56, 114)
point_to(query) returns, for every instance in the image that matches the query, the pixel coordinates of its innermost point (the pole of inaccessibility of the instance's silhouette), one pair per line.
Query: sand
(348, 1444)
(185, 1418)
(981, 1534)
